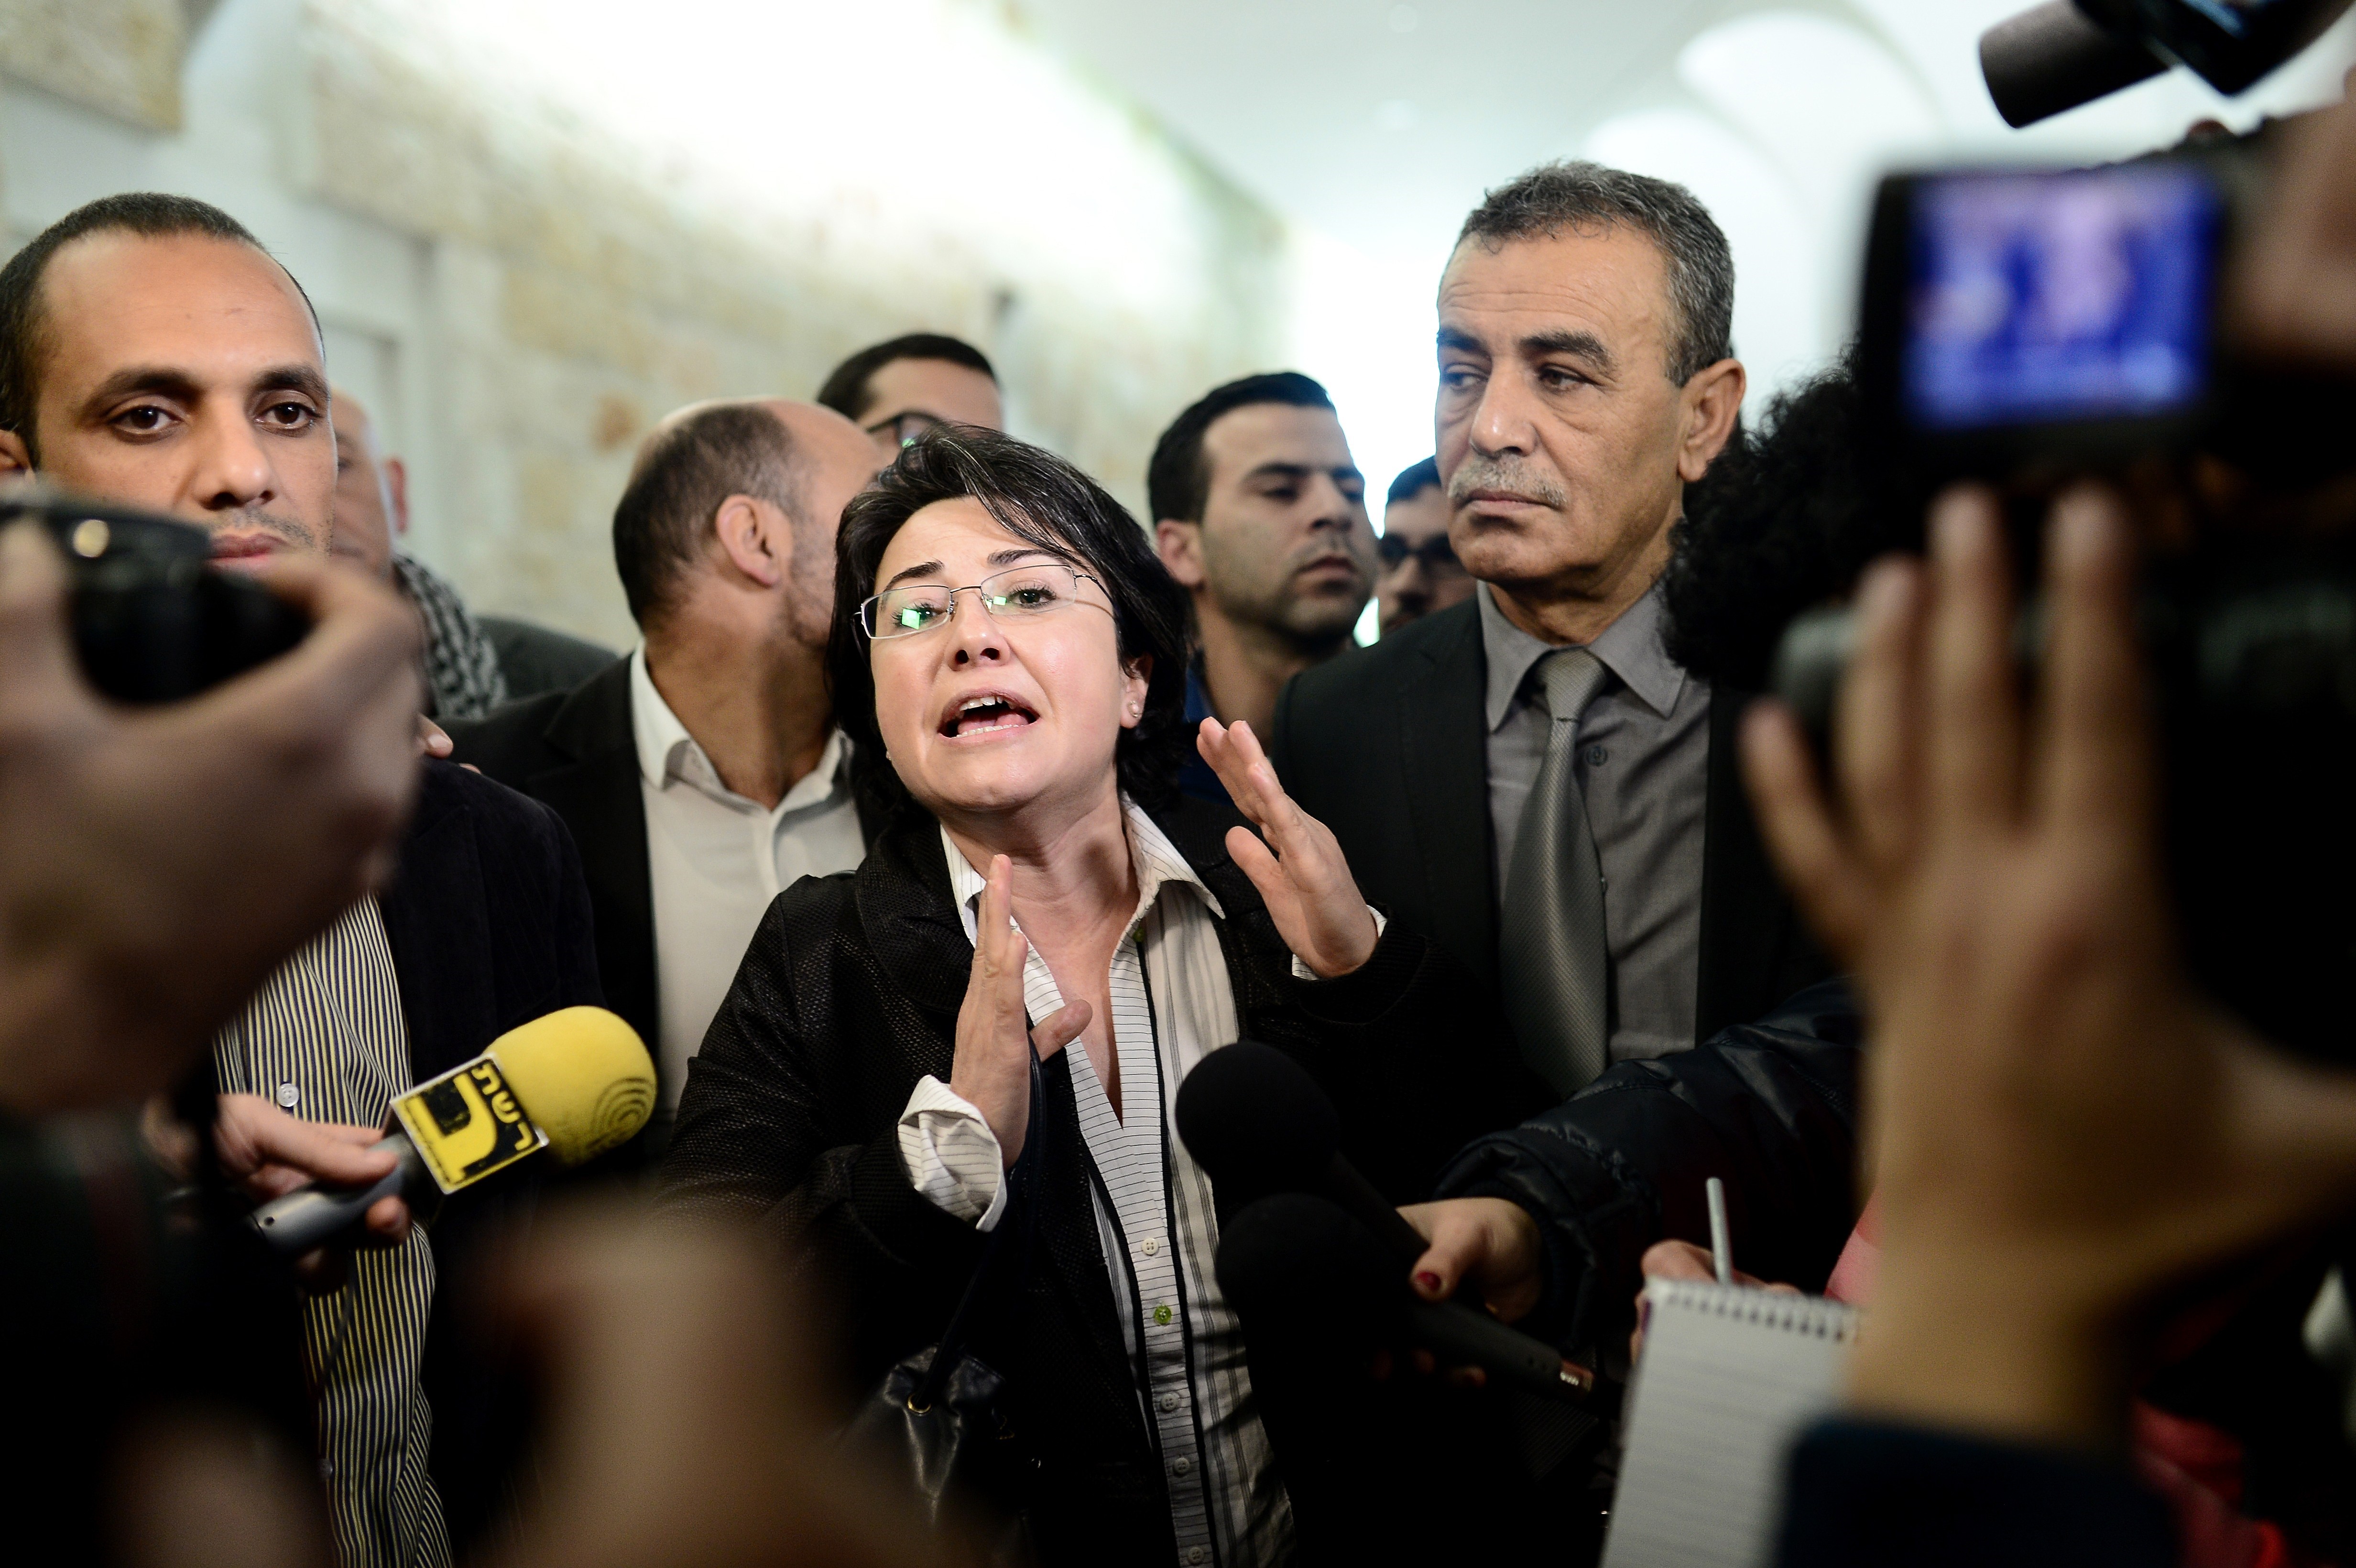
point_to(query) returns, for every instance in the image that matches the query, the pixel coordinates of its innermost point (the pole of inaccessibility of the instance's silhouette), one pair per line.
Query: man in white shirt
(702, 774)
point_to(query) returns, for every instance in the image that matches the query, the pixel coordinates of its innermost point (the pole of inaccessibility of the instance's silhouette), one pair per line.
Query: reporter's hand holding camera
(2061, 1126)
(133, 917)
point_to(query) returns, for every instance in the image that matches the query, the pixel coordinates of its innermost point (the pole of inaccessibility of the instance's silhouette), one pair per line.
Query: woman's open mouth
(984, 712)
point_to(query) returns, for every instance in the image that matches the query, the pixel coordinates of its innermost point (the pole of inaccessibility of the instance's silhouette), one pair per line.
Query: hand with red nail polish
(1487, 1241)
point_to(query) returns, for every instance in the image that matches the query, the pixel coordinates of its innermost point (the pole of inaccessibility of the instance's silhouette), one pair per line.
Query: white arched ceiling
(1377, 123)
(1829, 107)
(1778, 329)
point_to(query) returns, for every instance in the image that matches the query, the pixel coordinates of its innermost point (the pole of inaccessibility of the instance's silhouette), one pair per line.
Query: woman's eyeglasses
(1024, 593)
(1434, 552)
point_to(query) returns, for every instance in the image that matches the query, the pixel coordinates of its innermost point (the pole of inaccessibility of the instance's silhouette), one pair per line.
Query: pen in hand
(1721, 1247)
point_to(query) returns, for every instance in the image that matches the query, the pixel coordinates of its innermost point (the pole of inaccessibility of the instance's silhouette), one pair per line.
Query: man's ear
(396, 489)
(757, 537)
(1711, 401)
(1179, 545)
(15, 457)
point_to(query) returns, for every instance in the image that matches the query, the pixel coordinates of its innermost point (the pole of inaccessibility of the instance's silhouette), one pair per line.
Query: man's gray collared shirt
(1642, 765)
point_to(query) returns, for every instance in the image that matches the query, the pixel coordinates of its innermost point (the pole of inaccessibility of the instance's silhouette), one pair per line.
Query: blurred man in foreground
(131, 925)
(683, 1423)
(472, 663)
(1420, 572)
(1261, 513)
(157, 356)
(896, 392)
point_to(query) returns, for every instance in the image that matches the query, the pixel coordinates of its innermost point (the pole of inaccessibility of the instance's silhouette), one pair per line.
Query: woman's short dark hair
(1045, 501)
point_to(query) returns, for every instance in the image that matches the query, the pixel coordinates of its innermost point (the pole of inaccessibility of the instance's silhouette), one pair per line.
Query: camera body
(153, 619)
(2025, 327)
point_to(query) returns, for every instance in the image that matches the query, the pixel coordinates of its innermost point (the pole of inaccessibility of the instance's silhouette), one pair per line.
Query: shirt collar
(1630, 648)
(667, 752)
(1156, 861)
(664, 744)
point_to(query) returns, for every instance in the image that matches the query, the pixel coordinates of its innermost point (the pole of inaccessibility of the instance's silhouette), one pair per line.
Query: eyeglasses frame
(867, 605)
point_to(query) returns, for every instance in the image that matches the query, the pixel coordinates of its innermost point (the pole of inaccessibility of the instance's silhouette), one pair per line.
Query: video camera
(153, 619)
(2070, 52)
(2024, 327)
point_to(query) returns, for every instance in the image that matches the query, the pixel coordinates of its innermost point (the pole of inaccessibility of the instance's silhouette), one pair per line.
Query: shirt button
(1161, 1314)
(1194, 1554)
(1152, 1246)
(289, 1095)
(1597, 756)
(1170, 1401)
(1184, 1466)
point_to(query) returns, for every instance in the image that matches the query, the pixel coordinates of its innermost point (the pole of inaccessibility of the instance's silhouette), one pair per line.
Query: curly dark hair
(1785, 519)
(1045, 501)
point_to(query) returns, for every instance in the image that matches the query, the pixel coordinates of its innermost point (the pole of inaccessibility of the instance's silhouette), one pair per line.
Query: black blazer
(489, 926)
(1389, 747)
(577, 752)
(849, 993)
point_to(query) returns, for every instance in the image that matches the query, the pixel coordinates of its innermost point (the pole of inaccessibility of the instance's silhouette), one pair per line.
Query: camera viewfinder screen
(2052, 297)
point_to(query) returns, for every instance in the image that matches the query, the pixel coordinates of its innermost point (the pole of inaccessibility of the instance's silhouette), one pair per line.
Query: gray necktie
(1551, 942)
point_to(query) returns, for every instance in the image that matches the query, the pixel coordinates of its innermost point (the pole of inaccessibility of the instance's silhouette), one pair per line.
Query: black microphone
(1256, 1121)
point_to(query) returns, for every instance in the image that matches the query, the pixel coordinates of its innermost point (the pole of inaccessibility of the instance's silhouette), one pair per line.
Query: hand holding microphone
(577, 1082)
(1263, 1130)
(268, 1153)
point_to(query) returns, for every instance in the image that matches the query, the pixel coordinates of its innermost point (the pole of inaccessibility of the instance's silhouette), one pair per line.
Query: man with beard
(1537, 750)
(1261, 513)
(703, 773)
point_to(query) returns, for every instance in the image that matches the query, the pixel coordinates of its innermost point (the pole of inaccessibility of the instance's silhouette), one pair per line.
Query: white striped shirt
(326, 1039)
(1172, 1005)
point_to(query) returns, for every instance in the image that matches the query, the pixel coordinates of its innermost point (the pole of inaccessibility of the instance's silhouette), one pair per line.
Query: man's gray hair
(1586, 197)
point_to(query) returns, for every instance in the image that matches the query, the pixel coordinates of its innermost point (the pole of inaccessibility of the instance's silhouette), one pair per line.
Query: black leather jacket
(1770, 1106)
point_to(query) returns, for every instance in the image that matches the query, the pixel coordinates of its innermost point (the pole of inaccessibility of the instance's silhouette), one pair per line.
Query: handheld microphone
(1257, 1123)
(577, 1081)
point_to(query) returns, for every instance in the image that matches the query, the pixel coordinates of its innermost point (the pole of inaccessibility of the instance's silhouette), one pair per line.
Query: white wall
(531, 228)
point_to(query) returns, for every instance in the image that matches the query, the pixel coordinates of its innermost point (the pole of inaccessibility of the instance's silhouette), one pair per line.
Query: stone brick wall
(584, 293)
(580, 276)
(121, 57)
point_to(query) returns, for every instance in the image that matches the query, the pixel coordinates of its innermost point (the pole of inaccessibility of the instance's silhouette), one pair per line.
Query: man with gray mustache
(1528, 778)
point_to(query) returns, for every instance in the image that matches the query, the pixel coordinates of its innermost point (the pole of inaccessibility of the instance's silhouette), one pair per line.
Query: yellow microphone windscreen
(583, 1078)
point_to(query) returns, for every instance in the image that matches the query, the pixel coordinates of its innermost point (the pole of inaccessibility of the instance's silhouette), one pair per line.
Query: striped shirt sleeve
(952, 1157)
(1303, 972)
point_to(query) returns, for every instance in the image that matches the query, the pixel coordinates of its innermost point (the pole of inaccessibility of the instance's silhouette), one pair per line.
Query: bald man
(703, 774)
(472, 663)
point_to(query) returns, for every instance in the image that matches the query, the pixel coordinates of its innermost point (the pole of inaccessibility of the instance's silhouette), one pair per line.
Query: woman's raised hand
(992, 1070)
(1300, 870)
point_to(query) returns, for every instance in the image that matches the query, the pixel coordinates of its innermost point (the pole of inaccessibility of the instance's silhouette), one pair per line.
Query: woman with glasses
(1009, 660)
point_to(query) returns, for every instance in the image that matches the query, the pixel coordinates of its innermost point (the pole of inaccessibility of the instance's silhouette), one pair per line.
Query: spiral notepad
(1730, 1376)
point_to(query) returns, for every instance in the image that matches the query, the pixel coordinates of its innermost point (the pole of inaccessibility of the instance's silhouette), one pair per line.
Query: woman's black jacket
(849, 993)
